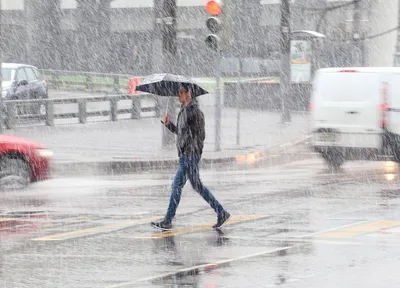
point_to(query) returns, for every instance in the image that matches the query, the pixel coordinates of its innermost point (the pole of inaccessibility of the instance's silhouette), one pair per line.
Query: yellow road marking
(8, 219)
(357, 230)
(394, 230)
(95, 230)
(387, 233)
(187, 230)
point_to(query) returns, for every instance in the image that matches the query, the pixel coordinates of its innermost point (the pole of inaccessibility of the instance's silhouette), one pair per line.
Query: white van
(355, 113)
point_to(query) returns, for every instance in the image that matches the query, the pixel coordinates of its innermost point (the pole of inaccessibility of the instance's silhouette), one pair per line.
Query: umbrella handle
(166, 110)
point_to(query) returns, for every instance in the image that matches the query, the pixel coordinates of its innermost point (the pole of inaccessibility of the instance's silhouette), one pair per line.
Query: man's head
(184, 94)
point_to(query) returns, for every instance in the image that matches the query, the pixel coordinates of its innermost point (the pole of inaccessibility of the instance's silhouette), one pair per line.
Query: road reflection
(391, 170)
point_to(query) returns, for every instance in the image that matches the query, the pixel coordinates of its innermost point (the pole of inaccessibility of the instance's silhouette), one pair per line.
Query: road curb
(128, 166)
(8, 222)
(124, 166)
(11, 223)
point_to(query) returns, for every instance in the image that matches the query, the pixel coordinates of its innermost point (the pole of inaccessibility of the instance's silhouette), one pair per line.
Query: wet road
(294, 225)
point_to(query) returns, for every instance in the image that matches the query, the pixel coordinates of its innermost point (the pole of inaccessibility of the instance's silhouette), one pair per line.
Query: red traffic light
(213, 7)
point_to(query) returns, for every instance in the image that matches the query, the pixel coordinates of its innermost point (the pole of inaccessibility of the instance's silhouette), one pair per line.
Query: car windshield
(8, 74)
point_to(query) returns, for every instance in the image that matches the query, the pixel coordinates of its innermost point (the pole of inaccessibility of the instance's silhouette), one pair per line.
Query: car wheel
(14, 171)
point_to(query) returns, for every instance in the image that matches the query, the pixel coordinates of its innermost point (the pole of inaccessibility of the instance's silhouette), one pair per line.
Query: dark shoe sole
(161, 229)
(217, 227)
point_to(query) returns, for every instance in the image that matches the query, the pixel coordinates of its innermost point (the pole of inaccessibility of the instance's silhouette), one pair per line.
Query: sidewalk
(139, 142)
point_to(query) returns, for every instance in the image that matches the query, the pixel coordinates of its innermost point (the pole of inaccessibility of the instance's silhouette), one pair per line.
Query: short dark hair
(186, 87)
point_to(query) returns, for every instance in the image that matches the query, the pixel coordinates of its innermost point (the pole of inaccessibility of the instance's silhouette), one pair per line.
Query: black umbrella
(168, 85)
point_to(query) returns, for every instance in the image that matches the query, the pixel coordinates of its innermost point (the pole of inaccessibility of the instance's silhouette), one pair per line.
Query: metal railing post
(114, 108)
(55, 79)
(116, 83)
(136, 107)
(49, 113)
(89, 85)
(10, 121)
(82, 110)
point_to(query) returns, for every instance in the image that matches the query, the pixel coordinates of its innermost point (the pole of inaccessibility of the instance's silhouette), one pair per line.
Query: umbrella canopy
(168, 85)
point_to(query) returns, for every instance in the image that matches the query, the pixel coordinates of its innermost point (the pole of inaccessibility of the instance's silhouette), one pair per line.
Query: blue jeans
(189, 169)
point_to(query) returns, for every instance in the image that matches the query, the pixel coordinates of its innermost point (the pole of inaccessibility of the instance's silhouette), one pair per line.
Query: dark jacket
(190, 130)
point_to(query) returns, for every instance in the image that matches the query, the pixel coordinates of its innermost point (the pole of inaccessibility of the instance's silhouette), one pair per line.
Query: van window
(31, 75)
(8, 74)
(21, 75)
(39, 76)
(347, 87)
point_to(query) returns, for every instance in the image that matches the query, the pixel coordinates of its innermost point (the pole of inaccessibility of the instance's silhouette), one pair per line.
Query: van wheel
(334, 160)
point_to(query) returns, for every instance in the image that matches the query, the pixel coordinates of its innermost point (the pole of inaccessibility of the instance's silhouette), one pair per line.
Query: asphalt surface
(293, 225)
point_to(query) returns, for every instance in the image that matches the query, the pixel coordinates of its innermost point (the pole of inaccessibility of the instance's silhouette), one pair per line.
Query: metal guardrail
(87, 81)
(13, 106)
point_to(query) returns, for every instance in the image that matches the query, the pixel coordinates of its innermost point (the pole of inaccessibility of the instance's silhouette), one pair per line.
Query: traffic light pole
(213, 24)
(357, 33)
(164, 53)
(218, 108)
(169, 62)
(239, 102)
(1, 78)
(285, 78)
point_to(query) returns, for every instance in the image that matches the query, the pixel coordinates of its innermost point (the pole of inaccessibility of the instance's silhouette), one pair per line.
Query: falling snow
(301, 144)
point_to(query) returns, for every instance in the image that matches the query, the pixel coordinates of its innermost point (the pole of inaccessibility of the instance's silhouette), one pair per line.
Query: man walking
(190, 142)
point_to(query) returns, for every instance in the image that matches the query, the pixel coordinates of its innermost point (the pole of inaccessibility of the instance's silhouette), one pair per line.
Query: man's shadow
(181, 253)
(221, 238)
(168, 244)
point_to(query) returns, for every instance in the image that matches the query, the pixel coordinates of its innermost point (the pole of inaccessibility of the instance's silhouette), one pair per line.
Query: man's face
(182, 95)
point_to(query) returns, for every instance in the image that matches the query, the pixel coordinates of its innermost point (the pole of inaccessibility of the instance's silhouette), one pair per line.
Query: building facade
(116, 36)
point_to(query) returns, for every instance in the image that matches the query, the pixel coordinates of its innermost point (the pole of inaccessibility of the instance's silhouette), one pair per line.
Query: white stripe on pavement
(205, 267)
(331, 229)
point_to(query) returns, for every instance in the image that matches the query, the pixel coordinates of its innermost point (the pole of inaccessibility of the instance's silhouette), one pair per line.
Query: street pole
(285, 74)
(238, 113)
(396, 58)
(218, 113)
(239, 96)
(169, 60)
(156, 60)
(357, 32)
(1, 75)
(165, 46)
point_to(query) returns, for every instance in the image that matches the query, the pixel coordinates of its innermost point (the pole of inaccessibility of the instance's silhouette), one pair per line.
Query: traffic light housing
(214, 24)
(219, 24)
(214, 7)
(213, 42)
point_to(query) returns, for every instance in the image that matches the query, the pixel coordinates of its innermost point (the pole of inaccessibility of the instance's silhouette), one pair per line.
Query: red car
(24, 158)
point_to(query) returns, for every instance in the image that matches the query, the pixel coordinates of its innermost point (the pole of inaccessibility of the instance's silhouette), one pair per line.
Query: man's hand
(165, 119)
